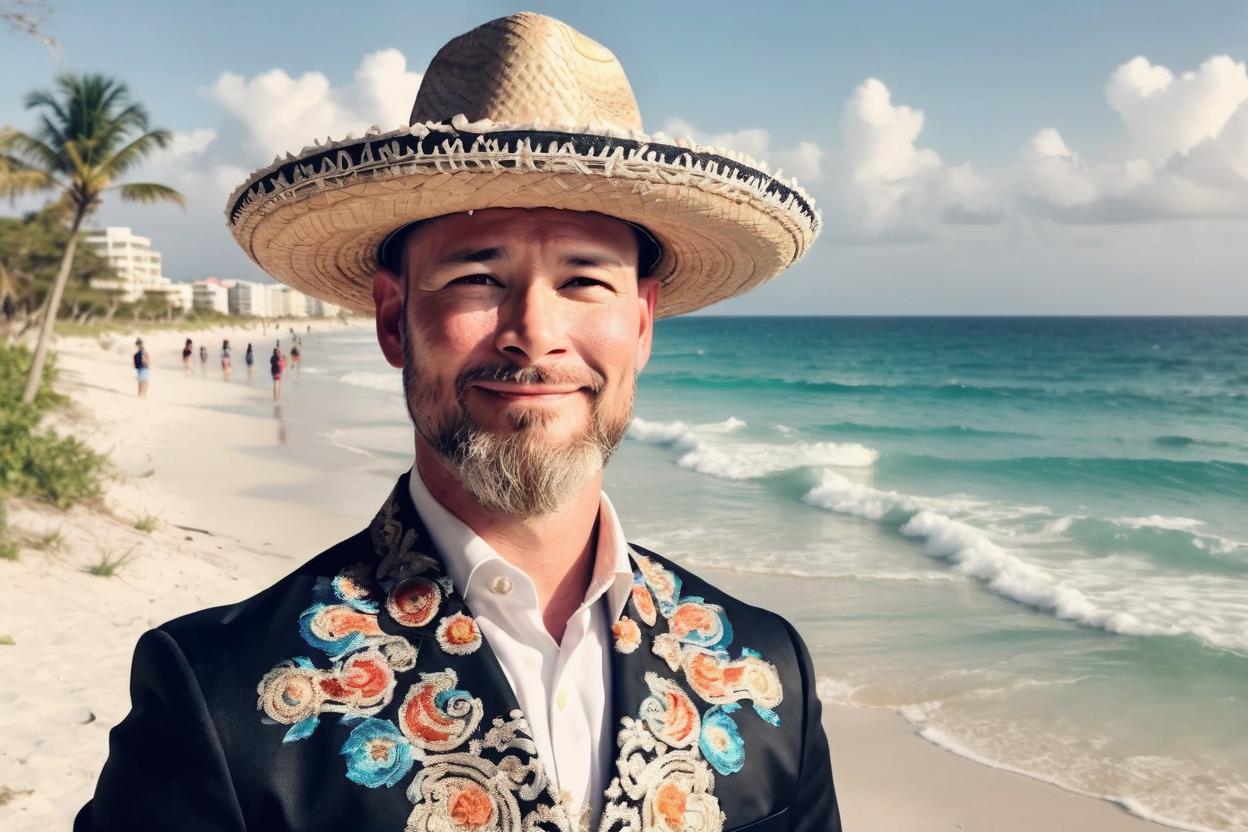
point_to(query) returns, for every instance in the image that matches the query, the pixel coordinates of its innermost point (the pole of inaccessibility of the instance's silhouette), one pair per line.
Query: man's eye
(475, 280)
(579, 282)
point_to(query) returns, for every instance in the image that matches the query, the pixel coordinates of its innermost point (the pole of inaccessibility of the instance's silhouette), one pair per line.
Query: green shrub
(36, 461)
(8, 549)
(14, 368)
(146, 523)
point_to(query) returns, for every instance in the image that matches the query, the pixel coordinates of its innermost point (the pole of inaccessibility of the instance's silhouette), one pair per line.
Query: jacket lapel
(424, 703)
(660, 780)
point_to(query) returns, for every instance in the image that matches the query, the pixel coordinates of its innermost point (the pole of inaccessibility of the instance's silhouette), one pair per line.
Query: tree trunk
(49, 317)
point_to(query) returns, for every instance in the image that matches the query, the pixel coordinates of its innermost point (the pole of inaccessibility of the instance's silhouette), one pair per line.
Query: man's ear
(388, 300)
(647, 297)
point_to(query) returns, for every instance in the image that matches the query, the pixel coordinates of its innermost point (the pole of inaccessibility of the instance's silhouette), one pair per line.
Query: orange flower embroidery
(670, 801)
(627, 635)
(470, 807)
(458, 634)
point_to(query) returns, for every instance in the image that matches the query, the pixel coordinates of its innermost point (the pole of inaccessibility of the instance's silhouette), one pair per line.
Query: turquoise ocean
(1027, 536)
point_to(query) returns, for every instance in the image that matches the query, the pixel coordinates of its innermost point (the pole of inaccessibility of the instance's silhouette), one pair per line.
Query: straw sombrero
(522, 112)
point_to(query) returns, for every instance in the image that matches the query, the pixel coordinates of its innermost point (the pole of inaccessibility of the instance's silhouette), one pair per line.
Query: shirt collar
(466, 554)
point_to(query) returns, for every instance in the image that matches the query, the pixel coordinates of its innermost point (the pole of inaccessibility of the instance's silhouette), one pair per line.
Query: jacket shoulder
(219, 633)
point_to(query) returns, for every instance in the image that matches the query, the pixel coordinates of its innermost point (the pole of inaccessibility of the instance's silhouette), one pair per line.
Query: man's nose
(529, 328)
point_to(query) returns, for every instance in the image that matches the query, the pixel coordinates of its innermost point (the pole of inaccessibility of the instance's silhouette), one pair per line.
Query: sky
(971, 158)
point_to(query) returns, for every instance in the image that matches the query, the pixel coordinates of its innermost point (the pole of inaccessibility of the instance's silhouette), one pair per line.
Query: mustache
(535, 374)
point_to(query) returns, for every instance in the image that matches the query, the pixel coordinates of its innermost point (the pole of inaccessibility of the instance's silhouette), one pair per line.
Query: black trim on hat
(324, 163)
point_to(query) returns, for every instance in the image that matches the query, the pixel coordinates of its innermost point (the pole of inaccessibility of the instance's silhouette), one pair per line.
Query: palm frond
(15, 183)
(30, 149)
(135, 152)
(148, 192)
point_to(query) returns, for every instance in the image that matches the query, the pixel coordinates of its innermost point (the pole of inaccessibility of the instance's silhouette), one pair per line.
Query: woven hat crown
(528, 69)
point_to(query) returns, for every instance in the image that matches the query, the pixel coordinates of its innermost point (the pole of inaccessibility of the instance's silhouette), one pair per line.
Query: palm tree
(85, 142)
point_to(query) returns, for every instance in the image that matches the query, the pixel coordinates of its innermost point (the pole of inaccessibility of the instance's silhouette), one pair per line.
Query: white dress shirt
(563, 689)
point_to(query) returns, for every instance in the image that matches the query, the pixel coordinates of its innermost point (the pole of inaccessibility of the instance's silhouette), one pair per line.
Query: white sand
(182, 455)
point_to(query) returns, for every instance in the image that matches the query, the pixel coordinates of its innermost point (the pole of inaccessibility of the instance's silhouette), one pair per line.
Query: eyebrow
(485, 255)
(471, 255)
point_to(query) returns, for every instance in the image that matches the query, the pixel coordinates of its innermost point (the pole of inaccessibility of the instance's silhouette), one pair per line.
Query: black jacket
(357, 694)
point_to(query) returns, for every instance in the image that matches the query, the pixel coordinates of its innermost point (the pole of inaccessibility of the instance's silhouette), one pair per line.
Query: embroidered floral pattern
(669, 713)
(377, 754)
(458, 634)
(666, 755)
(720, 741)
(436, 716)
(462, 783)
(669, 753)
(414, 602)
(627, 635)
(643, 602)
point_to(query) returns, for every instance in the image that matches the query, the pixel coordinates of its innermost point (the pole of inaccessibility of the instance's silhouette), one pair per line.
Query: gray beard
(521, 474)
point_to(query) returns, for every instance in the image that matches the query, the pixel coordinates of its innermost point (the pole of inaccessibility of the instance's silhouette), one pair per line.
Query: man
(496, 655)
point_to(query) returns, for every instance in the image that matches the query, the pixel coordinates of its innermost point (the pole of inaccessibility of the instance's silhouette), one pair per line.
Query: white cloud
(889, 185)
(1164, 115)
(281, 113)
(803, 161)
(1185, 150)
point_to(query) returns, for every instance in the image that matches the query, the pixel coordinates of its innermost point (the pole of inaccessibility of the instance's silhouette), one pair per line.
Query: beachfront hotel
(136, 266)
(137, 272)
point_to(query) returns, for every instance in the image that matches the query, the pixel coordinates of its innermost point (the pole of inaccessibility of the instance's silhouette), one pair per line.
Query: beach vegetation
(90, 136)
(8, 549)
(50, 541)
(108, 566)
(146, 523)
(35, 460)
(31, 248)
(7, 640)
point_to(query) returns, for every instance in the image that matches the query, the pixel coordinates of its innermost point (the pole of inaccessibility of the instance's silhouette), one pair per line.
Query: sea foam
(1122, 595)
(702, 448)
(385, 382)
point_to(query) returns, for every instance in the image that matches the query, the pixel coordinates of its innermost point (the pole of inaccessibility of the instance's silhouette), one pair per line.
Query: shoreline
(219, 541)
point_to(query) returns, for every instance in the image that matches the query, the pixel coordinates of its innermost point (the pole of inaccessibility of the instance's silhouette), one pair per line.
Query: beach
(241, 490)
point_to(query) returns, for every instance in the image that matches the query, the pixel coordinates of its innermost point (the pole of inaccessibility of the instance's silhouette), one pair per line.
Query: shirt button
(501, 585)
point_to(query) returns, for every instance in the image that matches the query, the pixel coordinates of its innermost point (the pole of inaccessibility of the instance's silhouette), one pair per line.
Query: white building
(211, 294)
(135, 262)
(271, 300)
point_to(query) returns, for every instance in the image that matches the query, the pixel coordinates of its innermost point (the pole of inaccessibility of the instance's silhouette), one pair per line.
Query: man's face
(520, 338)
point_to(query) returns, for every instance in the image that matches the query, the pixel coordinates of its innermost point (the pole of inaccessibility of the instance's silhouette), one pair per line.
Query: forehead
(546, 227)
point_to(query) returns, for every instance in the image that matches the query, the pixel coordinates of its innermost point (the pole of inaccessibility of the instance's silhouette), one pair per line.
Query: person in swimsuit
(250, 358)
(187, 349)
(142, 368)
(225, 359)
(277, 363)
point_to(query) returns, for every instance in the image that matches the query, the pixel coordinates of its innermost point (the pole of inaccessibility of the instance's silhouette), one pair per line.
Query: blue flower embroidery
(377, 754)
(313, 619)
(721, 742)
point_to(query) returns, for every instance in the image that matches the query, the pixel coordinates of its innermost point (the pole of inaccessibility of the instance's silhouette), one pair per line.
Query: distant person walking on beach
(250, 359)
(277, 363)
(295, 355)
(225, 359)
(203, 360)
(187, 349)
(142, 367)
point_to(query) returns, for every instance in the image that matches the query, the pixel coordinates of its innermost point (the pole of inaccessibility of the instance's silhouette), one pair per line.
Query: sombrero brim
(316, 221)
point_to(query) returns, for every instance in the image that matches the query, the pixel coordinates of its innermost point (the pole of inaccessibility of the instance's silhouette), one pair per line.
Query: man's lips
(512, 390)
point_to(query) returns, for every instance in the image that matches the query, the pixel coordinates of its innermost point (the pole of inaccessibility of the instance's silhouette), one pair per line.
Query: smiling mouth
(511, 391)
